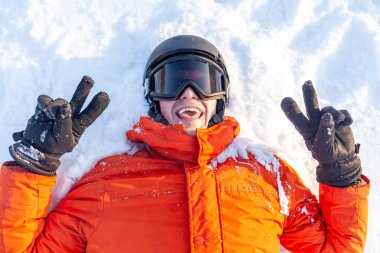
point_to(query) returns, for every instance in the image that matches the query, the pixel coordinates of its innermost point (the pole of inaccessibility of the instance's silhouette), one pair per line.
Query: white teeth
(192, 109)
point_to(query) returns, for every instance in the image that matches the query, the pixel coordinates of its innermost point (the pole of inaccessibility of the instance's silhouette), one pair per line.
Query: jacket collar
(172, 142)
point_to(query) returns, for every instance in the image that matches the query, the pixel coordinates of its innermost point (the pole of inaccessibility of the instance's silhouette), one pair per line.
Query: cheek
(166, 109)
(211, 107)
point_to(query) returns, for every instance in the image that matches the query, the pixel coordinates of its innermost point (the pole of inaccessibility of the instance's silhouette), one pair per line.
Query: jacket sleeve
(338, 223)
(25, 223)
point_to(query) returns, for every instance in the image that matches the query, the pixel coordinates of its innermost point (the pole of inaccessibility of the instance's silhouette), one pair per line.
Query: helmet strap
(155, 113)
(218, 116)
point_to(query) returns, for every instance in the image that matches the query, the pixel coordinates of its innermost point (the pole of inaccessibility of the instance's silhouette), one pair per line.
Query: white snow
(43, 135)
(329, 131)
(271, 48)
(31, 152)
(284, 201)
(304, 210)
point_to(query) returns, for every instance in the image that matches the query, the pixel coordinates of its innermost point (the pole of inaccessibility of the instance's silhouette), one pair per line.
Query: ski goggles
(170, 79)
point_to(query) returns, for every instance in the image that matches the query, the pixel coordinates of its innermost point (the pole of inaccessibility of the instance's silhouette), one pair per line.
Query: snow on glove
(55, 129)
(328, 136)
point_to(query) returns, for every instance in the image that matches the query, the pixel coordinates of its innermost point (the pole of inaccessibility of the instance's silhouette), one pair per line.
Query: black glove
(328, 136)
(55, 129)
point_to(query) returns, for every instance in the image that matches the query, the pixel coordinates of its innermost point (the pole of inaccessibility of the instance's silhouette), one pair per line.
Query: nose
(189, 93)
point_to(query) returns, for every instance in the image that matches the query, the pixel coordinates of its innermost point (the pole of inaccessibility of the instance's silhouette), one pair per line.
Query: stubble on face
(188, 110)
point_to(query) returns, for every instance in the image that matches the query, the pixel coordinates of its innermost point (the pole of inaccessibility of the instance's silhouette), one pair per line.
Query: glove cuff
(340, 174)
(34, 160)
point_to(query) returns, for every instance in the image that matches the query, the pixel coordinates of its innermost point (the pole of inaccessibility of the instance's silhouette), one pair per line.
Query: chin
(191, 127)
(194, 125)
(191, 132)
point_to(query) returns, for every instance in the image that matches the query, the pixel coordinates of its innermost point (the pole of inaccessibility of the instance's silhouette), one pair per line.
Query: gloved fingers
(96, 107)
(52, 109)
(49, 106)
(43, 101)
(311, 101)
(62, 128)
(81, 94)
(345, 135)
(347, 118)
(294, 114)
(338, 116)
(324, 148)
(18, 135)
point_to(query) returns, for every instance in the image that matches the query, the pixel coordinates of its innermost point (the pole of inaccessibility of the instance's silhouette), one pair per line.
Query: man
(167, 197)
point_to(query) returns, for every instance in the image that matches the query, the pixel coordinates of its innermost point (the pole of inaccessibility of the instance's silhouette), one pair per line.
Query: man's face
(189, 110)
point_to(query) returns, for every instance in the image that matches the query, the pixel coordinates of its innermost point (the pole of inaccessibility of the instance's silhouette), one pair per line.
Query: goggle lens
(172, 78)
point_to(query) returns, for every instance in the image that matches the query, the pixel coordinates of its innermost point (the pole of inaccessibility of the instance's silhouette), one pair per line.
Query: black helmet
(185, 52)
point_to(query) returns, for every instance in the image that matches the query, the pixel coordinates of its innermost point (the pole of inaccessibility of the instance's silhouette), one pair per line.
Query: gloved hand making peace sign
(55, 128)
(328, 136)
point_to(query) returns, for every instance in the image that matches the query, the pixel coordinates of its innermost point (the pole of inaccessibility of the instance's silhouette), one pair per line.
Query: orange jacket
(166, 198)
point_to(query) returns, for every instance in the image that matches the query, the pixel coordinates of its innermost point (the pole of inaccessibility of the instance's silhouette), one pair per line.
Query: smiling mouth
(189, 113)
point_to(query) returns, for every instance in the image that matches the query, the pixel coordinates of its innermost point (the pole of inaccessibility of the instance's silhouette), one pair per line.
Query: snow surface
(271, 47)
